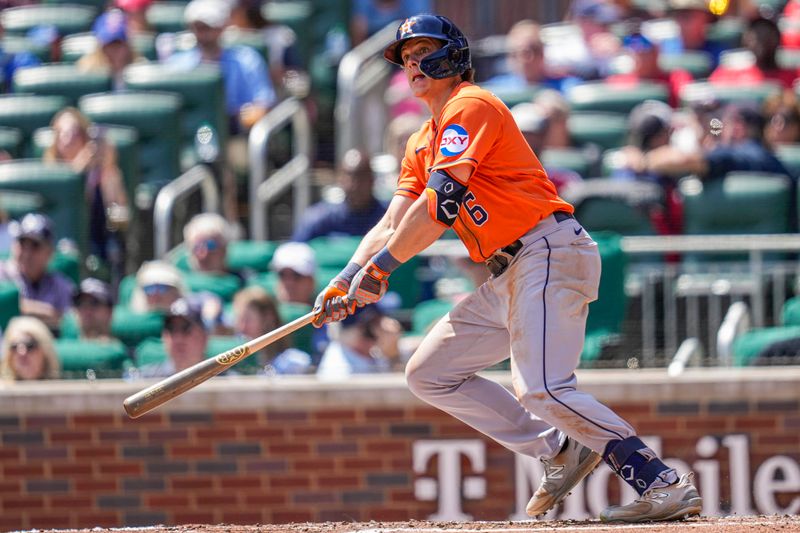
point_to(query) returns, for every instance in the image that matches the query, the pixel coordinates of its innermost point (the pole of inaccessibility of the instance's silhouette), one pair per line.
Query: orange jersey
(508, 191)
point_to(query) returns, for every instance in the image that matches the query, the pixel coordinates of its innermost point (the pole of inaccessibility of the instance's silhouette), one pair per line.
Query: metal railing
(198, 177)
(264, 186)
(362, 78)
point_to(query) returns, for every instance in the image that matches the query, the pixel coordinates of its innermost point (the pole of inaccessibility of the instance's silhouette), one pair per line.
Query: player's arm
(424, 222)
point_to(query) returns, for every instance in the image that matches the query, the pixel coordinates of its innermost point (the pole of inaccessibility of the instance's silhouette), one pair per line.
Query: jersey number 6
(477, 213)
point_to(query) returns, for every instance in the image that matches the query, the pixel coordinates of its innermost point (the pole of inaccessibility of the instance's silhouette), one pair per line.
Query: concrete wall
(259, 450)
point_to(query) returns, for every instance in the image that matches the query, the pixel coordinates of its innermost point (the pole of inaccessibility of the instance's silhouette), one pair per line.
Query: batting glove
(330, 305)
(372, 281)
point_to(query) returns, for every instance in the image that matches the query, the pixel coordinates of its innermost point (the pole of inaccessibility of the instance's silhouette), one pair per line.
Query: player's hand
(368, 286)
(330, 305)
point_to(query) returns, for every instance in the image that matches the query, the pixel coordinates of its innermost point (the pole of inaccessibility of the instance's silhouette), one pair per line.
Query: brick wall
(252, 450)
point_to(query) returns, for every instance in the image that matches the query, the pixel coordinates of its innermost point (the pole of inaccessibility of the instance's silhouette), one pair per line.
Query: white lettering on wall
(776, 475)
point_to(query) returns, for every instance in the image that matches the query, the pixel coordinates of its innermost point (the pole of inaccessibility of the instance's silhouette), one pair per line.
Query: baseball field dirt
(750, 524)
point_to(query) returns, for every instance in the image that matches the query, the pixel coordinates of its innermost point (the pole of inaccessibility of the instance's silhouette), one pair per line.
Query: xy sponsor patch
(455, 140)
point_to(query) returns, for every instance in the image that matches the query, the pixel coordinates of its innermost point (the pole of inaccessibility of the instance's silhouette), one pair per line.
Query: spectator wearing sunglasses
(28, 352)
(207, 236)
(158, 285)
(185, 339)
(94, 307)
(45, 295)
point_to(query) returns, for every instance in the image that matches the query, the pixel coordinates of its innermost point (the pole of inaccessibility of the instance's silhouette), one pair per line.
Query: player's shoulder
(469, 96)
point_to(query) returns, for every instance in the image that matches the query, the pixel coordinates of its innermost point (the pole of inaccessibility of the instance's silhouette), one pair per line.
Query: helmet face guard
(451, 60)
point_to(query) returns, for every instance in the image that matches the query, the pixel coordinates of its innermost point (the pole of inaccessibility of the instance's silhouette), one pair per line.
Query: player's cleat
(674, 502)
(561, 474)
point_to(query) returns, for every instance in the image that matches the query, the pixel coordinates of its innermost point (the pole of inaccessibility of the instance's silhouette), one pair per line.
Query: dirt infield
(754, 524)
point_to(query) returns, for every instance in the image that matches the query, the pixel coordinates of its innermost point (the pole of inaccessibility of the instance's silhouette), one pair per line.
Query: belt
(500, 260)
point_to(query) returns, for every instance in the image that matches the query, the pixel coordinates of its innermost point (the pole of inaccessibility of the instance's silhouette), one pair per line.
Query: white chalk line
(592, 527)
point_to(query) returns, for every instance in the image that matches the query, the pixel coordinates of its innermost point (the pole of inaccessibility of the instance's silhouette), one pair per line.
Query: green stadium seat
(18, 203)
(567, 158)
(613, 205)
(702, 91)
(302, 338)
(14, 44)
(696, 63)
(105, 358)
(607, 313)
(727, 32)
(427, 313)
(789, 155)
(201, 90)
(788, 58)
(606, 130)
(151, 351)
(124, 139)
(224, 286)
(166, 17)
(334, 252)
(67, 18)
(157, 120)
(9, 302)
(233, 36)
(512, 97)
(11, 141)
(791, 312)
(132, 328)
(241, 256)
(28, 112)
(60, 80)
(749, 344)
(60, 186)
(614, 98)
(75, 46)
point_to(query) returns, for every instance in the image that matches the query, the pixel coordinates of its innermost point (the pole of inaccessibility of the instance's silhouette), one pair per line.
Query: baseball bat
(148, 399)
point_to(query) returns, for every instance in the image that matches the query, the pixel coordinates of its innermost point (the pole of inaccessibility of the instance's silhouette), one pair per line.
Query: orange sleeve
(470, 129)
(412, 178)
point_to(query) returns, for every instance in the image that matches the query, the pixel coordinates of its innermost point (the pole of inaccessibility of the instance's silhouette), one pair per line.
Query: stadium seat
(567, 158)
(105, 358)
(614, 98)
(27, 112)
(618, 206)
(132, 328)
(233, 36)
(512, 97)
(166, 17)
(18, 203)
(334, 252)
(60, 80)
(10, 141)
(201, 91)
(241, 256)
(697, 63)
(726, 32)
(61, 188)
(9, 302)
(14, 44)
(788, 58)
(750, 344)
(157, 120)
(224, 286)
(427, 313)
(66, 18)
(124, 139)
(606, 130)
(75, 46)
(789, 155)
(701, 91)
(790, 314)
(151, 351)
(302, 339)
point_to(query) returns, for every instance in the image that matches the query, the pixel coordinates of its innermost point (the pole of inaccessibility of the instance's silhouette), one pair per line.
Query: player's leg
(443, 370)
(557, 276)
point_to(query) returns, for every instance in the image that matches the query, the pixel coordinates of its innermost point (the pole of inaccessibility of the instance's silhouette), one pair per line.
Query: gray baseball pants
(535, 311)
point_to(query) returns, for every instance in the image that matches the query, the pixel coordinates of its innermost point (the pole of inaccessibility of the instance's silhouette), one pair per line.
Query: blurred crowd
(154, 318)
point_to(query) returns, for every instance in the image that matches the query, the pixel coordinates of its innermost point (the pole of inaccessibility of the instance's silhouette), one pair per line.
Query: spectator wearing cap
(185, 339)
(158, 285)
(296, 266)
(694, 19)
(94, 306)
(45, 295)
(532, 122)
(356, 348)
(644, 55)
(28, 352)
(255, 312)
(525, 62)
(355, 214)
(114, 51)
(248, 90)
(762, 38)
(11, 61)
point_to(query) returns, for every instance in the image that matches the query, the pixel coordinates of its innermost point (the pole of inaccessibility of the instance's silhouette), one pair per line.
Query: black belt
(500, 260)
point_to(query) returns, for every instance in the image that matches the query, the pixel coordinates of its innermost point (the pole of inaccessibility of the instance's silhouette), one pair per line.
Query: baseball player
(470, 169)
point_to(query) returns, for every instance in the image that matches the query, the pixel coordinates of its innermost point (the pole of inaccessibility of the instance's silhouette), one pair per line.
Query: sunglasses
(30, 243)
(210, 245)
(156, 289)
(178, 327)
(28, 345)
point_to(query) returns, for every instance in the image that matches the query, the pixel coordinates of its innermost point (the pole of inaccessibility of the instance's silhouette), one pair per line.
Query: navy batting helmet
(450, 60)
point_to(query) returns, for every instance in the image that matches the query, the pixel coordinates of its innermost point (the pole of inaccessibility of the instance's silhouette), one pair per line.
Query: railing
(362, 78)
(198, 177)
(265, 187)
(670, 303)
